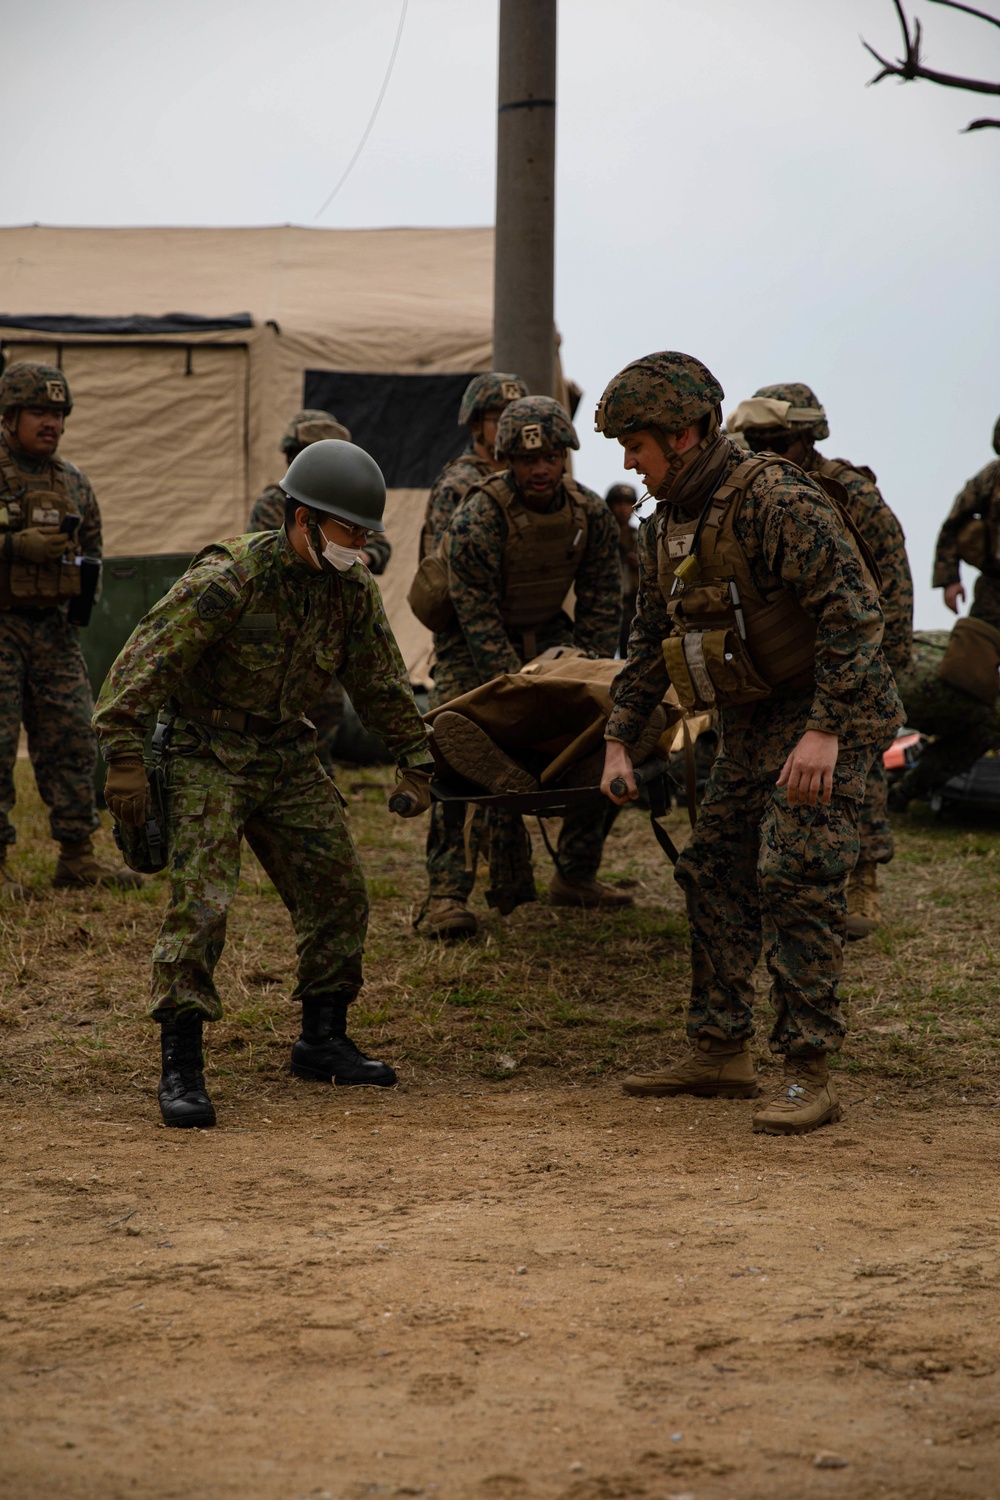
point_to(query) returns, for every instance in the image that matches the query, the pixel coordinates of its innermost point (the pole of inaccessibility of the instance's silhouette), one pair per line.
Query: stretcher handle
(648, 771)
(401, 802)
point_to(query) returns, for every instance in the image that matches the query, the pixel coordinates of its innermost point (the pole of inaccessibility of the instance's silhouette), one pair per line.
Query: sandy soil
(526, 1290)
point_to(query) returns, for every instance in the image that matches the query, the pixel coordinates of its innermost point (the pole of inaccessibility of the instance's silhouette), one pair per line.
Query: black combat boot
(325, 1052)
(183, 1100)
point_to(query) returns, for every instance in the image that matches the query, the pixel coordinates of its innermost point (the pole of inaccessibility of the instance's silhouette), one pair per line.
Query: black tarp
(408, 423)
(72, 323)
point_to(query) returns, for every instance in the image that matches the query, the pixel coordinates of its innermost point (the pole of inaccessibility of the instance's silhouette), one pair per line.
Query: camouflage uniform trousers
(504, 836)
(986, 600)
(875, 829)
(291, 815)
(759, 874)
(44, 685)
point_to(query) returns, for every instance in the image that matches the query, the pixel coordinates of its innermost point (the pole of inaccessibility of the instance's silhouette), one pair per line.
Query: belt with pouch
(235, 719)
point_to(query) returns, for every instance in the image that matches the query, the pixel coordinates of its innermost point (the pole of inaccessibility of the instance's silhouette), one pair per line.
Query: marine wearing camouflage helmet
(788, 419)
(487, 394)
(485, 397)
(513, 547)
(25, 383)
(755, 600)
(309, 426)
(534, 424)
(235, 656)
(49, 520)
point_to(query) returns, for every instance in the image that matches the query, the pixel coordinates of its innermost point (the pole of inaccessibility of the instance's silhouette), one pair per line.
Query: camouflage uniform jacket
(251, 626)
(477, 540)
(884, 535)
(38, 474)
(791, 537)
(981, 496)
(268, 514)
(450, 488)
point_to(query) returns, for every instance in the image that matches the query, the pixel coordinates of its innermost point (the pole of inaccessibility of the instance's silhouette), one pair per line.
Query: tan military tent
(188, 349)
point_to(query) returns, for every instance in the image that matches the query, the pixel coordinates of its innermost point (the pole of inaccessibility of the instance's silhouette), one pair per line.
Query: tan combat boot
(588, 893)
(10, 889)
(447, 919)
(470, 751)
(78, 865)
(806, 1100)
(864, 913)
(713, 1069)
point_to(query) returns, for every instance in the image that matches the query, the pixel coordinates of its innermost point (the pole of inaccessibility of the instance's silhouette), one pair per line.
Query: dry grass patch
(544, 993)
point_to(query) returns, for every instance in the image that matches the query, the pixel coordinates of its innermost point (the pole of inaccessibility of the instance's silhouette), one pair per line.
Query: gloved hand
(126, 791)
(38, 544)
(411, 795)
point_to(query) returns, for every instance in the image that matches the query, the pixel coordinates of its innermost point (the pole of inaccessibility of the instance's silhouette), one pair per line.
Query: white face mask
(340, 558)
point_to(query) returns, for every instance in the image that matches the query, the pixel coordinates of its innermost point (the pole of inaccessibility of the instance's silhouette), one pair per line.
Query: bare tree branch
(910, 65)
(970, 10)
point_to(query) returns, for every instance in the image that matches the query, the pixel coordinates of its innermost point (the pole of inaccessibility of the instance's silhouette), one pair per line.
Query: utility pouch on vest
(972, 661)
(709, 667)
(144, 849)
(973, 543)
(428, 596)
(38, 585)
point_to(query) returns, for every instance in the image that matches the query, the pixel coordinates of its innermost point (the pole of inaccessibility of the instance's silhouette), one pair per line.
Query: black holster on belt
(80, 608)
(144, 848)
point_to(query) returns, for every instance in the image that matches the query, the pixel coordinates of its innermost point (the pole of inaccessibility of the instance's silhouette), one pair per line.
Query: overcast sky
(726, 183)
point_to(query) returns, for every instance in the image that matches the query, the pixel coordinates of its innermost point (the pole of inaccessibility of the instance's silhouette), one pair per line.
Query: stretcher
(654, 779)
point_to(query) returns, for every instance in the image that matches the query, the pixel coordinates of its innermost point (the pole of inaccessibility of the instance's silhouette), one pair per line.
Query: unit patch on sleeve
(214, 602)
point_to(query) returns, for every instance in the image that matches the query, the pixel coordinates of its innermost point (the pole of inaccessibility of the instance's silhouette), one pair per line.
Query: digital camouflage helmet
(534, 424)
(25, 383)
(310, 426)
(340, 479)
(789, 408)
(668, 390)
(491, 391)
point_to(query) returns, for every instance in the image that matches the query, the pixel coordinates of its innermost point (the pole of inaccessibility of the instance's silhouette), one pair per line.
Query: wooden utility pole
(523, 311)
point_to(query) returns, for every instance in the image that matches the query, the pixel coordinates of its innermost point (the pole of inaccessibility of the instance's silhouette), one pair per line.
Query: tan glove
(126, 791)
(38, 544)
(411, 795)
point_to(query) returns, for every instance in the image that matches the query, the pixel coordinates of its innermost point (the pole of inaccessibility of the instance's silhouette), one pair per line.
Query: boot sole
(863, 928)
(768, 1128)
(456, 934)
(716, 1091)
(472, 746)
(315, 1075)
(193, 1122)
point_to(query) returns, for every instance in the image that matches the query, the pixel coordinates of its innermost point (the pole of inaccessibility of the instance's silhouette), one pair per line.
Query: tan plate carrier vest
(731, 644)
(541, 557)
(35, 500)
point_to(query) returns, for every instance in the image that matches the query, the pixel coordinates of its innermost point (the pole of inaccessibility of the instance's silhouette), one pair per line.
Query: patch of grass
(589, 993)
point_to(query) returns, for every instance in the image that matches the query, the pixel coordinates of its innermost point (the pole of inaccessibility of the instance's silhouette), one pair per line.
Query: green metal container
(130, 586)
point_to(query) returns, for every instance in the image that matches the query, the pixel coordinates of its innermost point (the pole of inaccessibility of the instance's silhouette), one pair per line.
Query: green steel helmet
(310, 426)
(339, 479)
(490, 392)
(25, 383)
(532, 424)
(804, 411)
(996, 437)
(667, 390)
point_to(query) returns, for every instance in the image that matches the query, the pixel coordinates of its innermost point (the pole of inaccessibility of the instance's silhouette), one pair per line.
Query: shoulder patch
(214, 602)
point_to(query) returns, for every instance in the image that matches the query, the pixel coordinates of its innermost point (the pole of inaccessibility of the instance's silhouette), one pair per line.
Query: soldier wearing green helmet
(312, 425)
(514, 546)
(756, 600)
(233, 659)
(49, 522)
(788, 419)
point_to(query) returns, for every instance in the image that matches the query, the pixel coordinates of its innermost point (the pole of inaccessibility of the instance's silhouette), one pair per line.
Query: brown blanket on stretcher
(558, 707)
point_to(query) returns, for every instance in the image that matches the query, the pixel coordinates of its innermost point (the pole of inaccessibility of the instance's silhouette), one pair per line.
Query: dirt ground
(502, 1279)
